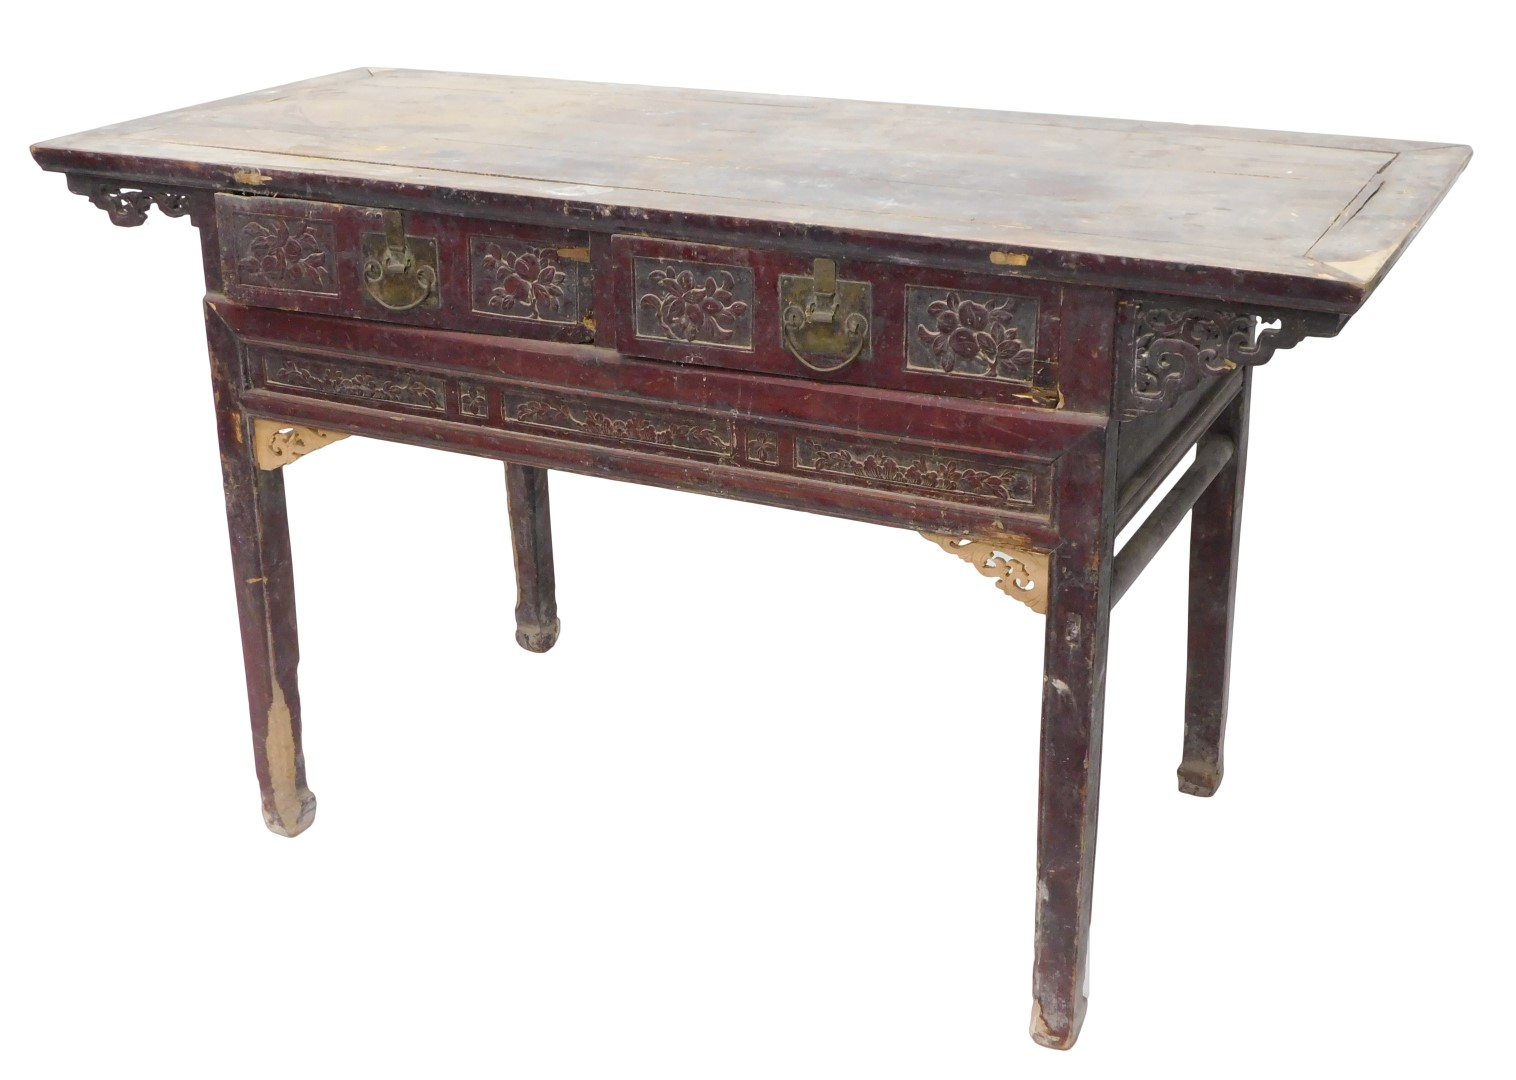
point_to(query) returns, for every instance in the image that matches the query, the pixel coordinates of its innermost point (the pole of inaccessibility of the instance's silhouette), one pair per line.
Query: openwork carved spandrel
(957, 332)
(128, 206)
(1010, 486)
(285, 253)
(356, 382)
(1019, 572)
(1171, 345)
(276, 444)
(517, 279)
(711, 437)
(694, 303)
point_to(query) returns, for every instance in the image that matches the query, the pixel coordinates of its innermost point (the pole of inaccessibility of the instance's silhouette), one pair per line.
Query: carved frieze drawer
(817, 315)
(421, 269)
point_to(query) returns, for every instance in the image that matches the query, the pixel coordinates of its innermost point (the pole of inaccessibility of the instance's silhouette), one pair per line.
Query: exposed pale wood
(1158, 195)
(1017, 570)
(276, 443)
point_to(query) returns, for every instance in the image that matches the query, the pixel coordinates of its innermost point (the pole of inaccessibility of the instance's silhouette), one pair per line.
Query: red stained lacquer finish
(1000, 327)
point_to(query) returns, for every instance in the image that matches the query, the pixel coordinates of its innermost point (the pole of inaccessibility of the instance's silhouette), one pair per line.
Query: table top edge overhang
(1325, 289)
(1336, 273)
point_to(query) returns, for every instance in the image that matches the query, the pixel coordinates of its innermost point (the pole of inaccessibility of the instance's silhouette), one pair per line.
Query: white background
(768, 808)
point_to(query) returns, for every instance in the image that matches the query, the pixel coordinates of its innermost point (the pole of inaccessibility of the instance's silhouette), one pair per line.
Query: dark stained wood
(475, 292)
(1002, 327)
(537, 623)
(1076, 641)
(265, 587)
(1152, 445)
(1211, 457)
(1024, 317)
(1215, 539)
(1106, 201)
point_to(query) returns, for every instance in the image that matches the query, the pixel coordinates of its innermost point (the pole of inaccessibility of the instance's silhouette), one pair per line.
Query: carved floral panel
(762, 447)
(956, 478)
(522, 279)
(289, 254)
(702, 435)
(694, 303)
(958, 332)
(473, 401)
(355, 382)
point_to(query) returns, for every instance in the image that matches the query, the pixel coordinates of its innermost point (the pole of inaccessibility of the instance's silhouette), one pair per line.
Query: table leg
(532, 542)
(259, 532)
(1215, 533)
(1073, 707)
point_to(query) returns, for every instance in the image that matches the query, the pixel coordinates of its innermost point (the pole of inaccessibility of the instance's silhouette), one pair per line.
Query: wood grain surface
(1308, 218)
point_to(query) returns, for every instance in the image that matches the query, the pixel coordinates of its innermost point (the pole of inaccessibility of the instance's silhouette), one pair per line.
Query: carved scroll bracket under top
(1019, 572)
(276, 444)
(1170, 343)
(128, 206)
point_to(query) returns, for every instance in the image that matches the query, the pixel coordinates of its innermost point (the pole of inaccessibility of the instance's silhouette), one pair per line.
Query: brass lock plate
(825, 320)
(400, 278)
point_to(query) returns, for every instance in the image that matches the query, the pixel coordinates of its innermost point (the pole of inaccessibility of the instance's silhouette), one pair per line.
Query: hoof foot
(534, 637)
(1199, 778)
(288, 823)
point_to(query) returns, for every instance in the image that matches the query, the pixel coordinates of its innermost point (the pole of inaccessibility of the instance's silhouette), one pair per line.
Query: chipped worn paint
(279, 746)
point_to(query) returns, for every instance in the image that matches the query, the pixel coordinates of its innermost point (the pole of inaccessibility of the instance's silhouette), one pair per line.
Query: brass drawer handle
(399, 271)
(826, 321)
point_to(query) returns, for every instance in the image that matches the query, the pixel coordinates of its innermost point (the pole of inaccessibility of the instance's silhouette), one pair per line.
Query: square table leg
(1215, 535)
(264, 577)
(1073, 707)
(532, 543)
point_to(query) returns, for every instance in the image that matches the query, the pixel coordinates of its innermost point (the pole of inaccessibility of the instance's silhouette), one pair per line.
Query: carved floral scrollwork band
(1173, 344)
(128, 206)
(1019, 572)
(1012, 486)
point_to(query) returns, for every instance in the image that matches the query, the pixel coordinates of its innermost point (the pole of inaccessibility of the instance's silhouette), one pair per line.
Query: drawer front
(419, 269)
(819, 317)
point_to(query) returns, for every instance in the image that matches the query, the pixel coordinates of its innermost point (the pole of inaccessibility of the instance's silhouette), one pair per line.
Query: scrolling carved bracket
(1168, 344)
(1019, 572)
(276, 444)
(128, 205)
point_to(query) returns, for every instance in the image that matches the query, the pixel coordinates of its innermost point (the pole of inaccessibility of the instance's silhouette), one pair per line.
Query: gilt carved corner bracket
(128, 205)
(1019, 572)
(276, 444)
(1169, 344)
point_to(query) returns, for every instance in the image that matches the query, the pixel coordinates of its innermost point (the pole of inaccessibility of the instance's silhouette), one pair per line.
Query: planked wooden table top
(1311, 220)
